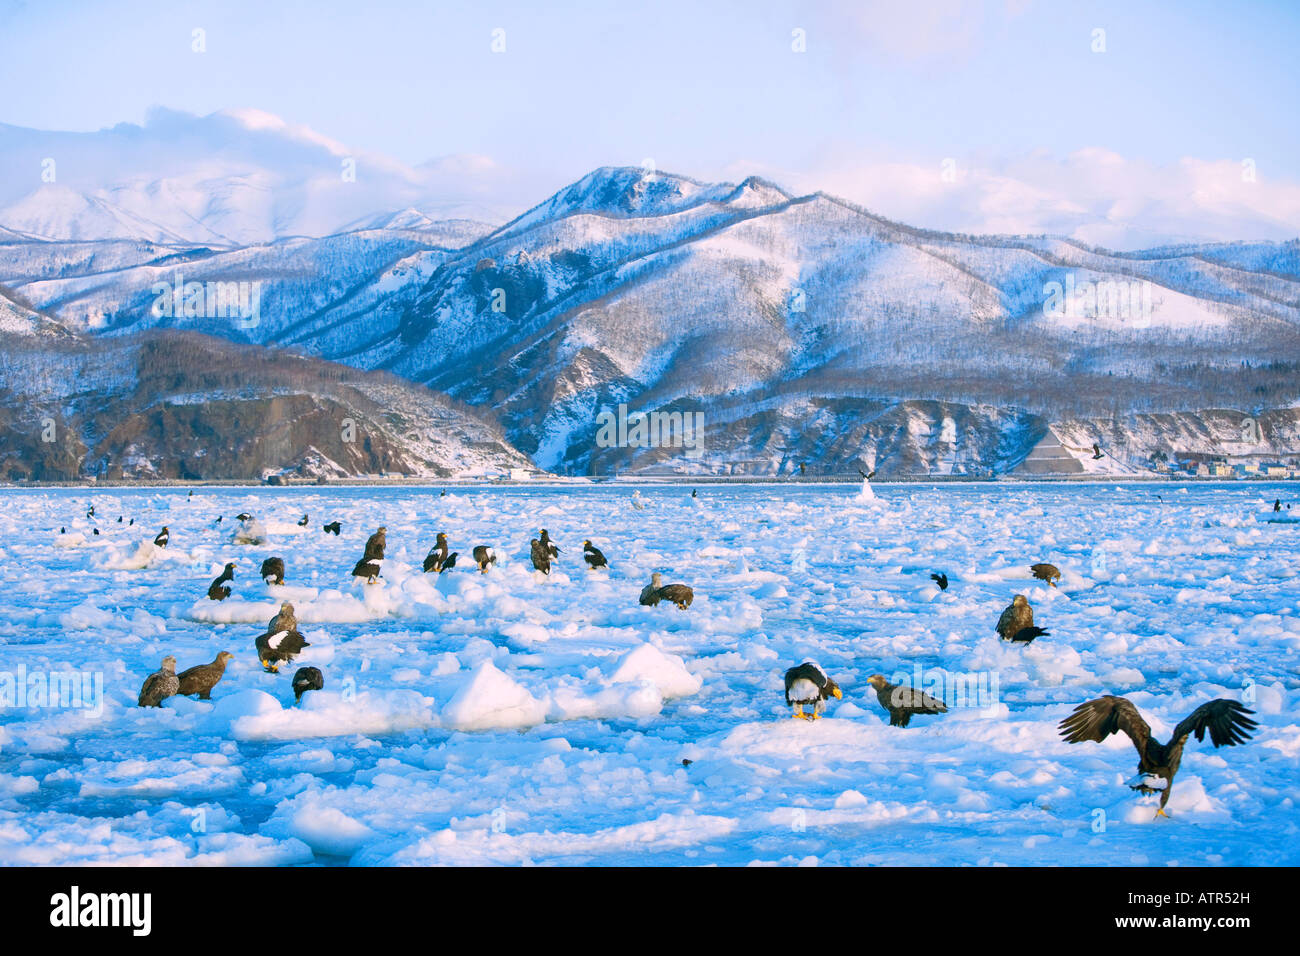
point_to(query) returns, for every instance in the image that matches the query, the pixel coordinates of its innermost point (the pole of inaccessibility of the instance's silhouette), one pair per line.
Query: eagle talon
(1161, 813)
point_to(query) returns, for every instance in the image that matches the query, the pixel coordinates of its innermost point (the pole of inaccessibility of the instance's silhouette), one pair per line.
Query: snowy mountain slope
(169, 404)
(656, 290)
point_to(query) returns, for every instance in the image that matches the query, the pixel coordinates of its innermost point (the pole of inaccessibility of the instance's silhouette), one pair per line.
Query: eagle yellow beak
(837, 693)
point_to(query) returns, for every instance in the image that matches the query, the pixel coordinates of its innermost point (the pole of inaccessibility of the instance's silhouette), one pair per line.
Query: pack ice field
(512, 716)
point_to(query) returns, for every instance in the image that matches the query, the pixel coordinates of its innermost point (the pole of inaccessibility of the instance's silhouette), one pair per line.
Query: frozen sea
(511, 718)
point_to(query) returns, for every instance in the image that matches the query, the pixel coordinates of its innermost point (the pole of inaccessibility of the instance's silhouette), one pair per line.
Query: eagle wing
(1098, 719)
(1226, 721)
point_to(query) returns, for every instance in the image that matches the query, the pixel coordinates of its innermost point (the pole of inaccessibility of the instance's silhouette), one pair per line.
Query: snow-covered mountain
(232, 178)
(802, 328)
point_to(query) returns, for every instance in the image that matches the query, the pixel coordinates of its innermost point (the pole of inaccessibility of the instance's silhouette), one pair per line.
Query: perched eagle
(1046, 572)
(332, 528)
(483, 556)
(541, 556)
(438, 559)
(159, 685)
(302, 523)
(282, 640)
(1226, 721)
(808, 684)
(369, 570)
(307, 678)
(594, 557)
(273, 570)
(940, 579)
(902, 702)
(201, 679)
(161, 539)
(219, 589)
(1017, 621)
(375, 545)
(657, 591)
(551, 548)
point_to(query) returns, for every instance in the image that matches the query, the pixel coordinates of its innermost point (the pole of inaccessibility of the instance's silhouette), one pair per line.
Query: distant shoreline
(559, 481)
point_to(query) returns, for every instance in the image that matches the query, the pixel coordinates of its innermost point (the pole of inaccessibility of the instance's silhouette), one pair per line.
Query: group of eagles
(440, 558)
(1227, 722)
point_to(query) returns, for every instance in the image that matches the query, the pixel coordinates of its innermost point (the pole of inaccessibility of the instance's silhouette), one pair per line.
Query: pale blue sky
(699, 83)
(709, 88)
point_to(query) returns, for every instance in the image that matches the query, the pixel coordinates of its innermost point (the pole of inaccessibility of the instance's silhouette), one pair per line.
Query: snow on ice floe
(515, 717)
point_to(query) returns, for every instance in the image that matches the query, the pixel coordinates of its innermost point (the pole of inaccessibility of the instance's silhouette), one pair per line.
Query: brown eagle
(1046, 572)
(1017, 622)
(159, 685)
(656, 591)
(902, 702)
(1227, 721)
(201, 679)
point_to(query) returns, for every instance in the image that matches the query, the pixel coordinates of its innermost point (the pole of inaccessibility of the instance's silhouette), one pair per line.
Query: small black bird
(95, 531)
(940, 579)
(218, 521)
(333, 528)
(119, 517)
(162, 537)
(593, 556)
(1026, 635)
(219, 589)
(302, 523)
(307, 678)
(1226, 720)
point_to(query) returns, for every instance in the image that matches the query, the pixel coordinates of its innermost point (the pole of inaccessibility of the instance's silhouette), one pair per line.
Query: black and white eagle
(808, 685)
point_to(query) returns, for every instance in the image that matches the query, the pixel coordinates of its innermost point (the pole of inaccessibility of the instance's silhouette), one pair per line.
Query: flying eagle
(273, 570)
(483, 556)
(902, 702)
(1226, 720)
(201, 679)
(282, 640)
(656, 591)
(161, 539)
(307, 678)
(808, 684)
(159, 685)
(332, 528)
(219, 589)
(1046, 572)
(594, 557)
(940, 579)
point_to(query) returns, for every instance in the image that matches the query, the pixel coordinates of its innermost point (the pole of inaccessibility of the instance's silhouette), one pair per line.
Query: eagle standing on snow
(551, 548)
(902, 702)
(656, 591)
(273, 570)
(201, 679)
(808, 684)
(161, 539)
(438, 559)
(1046, 572)
(541, 556)
(1226, 721)
(1017, 622)
(282, 640)
(159, 685)
(368, 566)
(483, 556)
(594, 557)
(219, 589)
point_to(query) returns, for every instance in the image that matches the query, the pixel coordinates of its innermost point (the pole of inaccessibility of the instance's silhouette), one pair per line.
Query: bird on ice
(680, 594)
(282, 640)
(902, 702)
(1017, 622)
(201, 679)
(808, 686)
(219, 589)
(1227, 722)
(159, 685)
